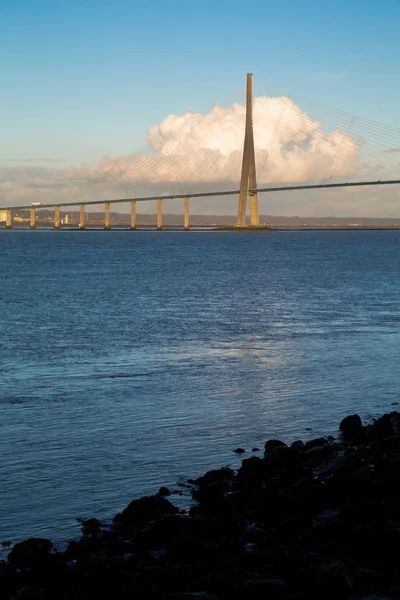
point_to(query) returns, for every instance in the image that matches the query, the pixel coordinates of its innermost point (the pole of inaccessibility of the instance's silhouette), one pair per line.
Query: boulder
(283, 457)
(141, 511)
(316, 443)
(351, 428)
(272, 444)
(332, 579)
(30, 552)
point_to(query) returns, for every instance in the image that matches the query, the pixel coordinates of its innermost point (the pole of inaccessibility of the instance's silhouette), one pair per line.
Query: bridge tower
(248, 180)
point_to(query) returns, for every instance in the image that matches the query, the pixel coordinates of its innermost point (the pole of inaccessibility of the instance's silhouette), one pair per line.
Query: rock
(272, 444)
(372, 597)
(254, 588)
(164, 491)
(90, 526)
(252, 472)
(148, 508)
(239, 450)
(315, 455)
(30, 552)
(283, 457)
(255, 449)
(340, 465)
(316, 443)
(332, 579)
(190, 596)
(210, 496)
(298, 444)
(215, 476)
(351, 427)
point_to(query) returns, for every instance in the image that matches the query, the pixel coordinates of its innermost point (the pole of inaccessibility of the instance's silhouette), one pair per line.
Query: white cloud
(197, 151)
(207, 148)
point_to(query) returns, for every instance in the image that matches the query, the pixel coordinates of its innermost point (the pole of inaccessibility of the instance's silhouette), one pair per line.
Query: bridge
(248, 191)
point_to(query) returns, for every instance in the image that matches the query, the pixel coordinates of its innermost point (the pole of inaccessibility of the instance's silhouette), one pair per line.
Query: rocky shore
(312, 520)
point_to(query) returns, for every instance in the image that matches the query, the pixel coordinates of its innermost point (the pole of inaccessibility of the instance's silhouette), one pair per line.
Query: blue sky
(83, 79)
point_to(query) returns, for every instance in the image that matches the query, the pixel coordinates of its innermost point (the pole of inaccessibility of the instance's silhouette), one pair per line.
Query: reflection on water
(130, 361)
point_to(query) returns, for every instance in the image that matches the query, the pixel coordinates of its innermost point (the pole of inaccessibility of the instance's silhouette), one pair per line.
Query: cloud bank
(199, 151)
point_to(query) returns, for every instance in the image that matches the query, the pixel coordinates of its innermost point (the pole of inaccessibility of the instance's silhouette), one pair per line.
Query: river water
(131, 360)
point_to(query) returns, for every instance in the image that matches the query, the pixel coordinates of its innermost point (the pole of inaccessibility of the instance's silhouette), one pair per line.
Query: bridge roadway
(107, 223)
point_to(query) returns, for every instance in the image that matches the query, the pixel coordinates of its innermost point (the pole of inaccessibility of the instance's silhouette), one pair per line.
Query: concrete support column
(159, 215)
(254, 216)
(248, 178)
(133, 215)
(57, 221)
(8, 219)
(32, 221)
(107, 220)
(186, 214)
(81, 216)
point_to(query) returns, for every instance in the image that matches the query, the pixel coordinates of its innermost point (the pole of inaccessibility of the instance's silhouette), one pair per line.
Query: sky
(83, 84)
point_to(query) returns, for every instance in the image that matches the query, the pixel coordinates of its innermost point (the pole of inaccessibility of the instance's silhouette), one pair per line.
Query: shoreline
(309, 520)
(203, 228)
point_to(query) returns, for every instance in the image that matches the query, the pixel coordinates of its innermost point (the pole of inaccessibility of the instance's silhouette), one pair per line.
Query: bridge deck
(205, 194)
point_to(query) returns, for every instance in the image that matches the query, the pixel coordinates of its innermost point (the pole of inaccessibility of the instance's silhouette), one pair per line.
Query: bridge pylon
(248, 179)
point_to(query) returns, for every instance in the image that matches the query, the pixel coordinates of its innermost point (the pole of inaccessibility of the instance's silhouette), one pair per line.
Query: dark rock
(283, 457)
(148, 508)
(90, 526)
(272, 444)
(216, 476)
(255, 449)
(210, 496)
(351, 427)
(298, 444)
(252, 471)
(318, 442)
(340, 465)
(190, 596)
(315, 455)
(30, 552)
(332, 579)
(164, 491)
(239, 450)
(254, 588)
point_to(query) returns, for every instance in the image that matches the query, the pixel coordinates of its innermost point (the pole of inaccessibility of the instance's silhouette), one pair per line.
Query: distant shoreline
(215, 228)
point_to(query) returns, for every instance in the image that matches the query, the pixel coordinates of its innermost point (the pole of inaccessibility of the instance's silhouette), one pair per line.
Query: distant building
(3, 216)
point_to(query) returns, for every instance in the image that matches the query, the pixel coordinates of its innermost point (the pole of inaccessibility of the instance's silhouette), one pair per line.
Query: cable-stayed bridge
(266, 141)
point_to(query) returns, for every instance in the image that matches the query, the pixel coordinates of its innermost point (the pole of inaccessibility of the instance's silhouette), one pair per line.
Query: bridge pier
(81, 217)
(254, 215)
(32, 220)
(8, 219)
(186, 214)
(133, 215)
(57, 222)
(107, 219)
(159, 215)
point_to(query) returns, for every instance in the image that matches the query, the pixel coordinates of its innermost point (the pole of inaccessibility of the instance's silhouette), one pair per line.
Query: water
(134, 360)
